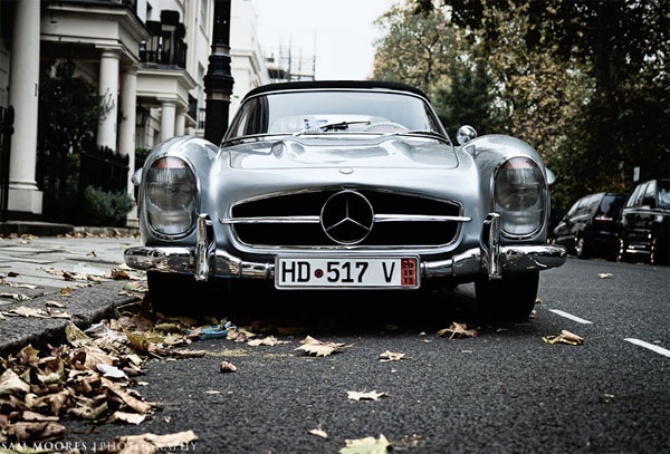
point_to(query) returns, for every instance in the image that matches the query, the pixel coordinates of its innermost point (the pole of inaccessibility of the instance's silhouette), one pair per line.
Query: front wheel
(173, 294)
(511, 298)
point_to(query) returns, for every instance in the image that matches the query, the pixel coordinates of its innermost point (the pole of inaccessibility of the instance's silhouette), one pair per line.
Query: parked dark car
(644, 227)
(589, 228)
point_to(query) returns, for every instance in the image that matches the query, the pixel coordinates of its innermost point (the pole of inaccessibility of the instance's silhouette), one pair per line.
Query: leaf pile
(91, 381)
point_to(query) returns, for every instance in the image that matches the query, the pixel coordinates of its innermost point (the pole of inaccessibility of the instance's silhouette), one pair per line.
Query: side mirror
(551, 178)
(465, 134)
(137, 177)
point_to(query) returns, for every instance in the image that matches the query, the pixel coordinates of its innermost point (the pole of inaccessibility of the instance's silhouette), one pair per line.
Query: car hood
(379, 152)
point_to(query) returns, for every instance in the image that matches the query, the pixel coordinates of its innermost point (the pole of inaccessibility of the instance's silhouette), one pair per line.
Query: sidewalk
(48, 282)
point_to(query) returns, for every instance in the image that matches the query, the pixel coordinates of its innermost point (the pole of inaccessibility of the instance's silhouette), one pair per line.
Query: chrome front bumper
(205, 261)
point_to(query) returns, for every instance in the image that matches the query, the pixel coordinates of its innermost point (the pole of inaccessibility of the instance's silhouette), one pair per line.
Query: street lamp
(218, 80)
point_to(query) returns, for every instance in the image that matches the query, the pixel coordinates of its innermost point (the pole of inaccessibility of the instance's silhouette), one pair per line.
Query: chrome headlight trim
(182, 220)
(519, 190)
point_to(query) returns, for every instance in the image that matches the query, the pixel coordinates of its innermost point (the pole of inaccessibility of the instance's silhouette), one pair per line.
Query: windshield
(664, 193)
(317, 112)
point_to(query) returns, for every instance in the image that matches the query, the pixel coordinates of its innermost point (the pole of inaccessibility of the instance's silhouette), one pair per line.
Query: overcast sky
(339, 33)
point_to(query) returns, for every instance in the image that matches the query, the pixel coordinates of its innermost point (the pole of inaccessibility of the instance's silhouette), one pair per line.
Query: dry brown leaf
(319, 432)
(12, 384)
(128, 418)
(139, 406)
(28, 312)
(15, 296)
(162, 442)
(269, 341)
(365, 395)
(458, 331)
(317, 348)
(566, 337)
(23, 432)
(227, 367)
(367, 445)
(391, 356)
(65, 291)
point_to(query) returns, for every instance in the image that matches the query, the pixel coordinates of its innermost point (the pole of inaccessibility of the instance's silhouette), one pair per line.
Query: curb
(85, 306)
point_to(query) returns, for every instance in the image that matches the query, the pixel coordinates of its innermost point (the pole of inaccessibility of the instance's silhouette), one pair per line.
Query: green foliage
(69, 113)
(104, 208)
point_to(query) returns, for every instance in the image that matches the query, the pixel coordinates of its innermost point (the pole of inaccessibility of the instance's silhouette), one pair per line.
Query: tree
(69, 112)
(620, 48)
(425, 50)
(417, 48)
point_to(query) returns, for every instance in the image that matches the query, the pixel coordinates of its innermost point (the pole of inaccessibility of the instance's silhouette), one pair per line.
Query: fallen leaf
(129, 418)
(65, 291)
(391, 356)
(15, 296)
(34, 431)
(319, 432)
(367, 445)
(162, 442)
(227, 367)
(317, 348)
(458, 331)
(566, 337)
(269, 341)
(28, 312)
(11, 383)
(369, 395)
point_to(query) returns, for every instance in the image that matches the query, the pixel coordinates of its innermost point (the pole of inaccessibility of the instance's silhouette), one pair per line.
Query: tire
(511, 298)
(176, 294)
(581, 249)
(658, 252)
(623, 256)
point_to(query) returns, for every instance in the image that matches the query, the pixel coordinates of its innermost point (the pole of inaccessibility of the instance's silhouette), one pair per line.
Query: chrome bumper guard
(205, 261)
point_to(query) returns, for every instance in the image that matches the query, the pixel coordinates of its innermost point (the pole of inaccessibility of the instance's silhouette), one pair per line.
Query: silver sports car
(343, 185)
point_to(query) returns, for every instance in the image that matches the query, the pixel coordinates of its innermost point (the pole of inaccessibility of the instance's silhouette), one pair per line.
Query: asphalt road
(504, 391)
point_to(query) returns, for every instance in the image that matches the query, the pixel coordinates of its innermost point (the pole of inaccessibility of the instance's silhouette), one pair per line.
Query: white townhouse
(148, 58)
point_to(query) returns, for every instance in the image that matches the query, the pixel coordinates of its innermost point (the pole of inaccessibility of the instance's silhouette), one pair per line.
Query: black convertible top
(320, 84)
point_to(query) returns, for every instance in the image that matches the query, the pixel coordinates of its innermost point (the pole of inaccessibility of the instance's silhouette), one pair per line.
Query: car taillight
(520, 196)
(170, 194)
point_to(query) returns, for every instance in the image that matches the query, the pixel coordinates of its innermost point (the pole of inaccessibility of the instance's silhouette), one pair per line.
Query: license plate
(347, 273)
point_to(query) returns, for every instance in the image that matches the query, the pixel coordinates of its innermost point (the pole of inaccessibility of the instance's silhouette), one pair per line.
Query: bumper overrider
(205, 261)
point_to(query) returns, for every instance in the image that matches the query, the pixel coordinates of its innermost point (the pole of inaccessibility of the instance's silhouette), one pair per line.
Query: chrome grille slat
(294, 221)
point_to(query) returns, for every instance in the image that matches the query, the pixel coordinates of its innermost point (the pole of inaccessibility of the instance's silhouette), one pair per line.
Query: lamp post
(218, 80)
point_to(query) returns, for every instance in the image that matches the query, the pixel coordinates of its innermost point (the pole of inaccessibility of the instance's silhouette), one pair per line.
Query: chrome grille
(295, 220)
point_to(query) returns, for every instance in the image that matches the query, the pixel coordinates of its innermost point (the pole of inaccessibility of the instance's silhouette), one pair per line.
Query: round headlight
(520, 196)
(170, 196)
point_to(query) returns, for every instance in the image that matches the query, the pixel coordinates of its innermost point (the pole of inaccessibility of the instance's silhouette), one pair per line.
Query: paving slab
(45, 278)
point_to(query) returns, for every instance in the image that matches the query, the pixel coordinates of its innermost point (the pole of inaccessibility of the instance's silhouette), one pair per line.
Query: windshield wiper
(337, 126)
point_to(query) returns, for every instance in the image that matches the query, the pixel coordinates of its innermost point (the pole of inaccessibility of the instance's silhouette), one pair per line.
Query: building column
(127, 129)
(108, 89)
(180, 124)
(23, 194)
(168, 112)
